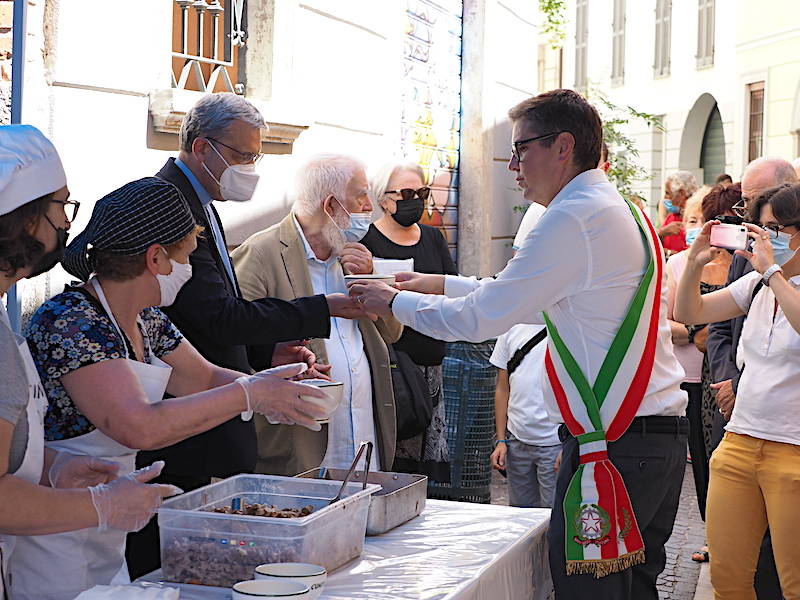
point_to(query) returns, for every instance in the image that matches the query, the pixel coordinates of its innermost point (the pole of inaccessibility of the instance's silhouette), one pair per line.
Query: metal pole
(19, 35)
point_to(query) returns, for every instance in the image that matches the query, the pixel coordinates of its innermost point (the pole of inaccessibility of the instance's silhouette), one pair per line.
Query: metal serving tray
(400, 499)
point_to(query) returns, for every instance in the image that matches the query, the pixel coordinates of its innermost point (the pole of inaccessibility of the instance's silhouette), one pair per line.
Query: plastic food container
(401, 497)
(219, 549)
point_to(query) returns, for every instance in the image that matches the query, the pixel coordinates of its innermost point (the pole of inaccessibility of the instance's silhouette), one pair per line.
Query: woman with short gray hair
(399, 189)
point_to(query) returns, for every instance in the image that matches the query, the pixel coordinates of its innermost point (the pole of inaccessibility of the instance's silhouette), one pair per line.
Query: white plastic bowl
(270, 588)
(313, 576)
(333, 390)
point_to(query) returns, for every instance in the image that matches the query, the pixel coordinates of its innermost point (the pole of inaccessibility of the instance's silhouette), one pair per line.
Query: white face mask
(357, 226)
(238, 182)
(172, 283)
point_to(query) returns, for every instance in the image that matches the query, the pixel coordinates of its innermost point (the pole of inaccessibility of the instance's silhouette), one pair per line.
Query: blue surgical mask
(357, 227)
(780, 248)
(671, 208)
(691, 235)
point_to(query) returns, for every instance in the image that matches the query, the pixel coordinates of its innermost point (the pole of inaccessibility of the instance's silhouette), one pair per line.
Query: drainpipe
(19, 35)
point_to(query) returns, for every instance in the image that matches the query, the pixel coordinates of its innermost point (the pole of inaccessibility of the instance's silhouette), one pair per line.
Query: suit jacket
(210, 312)
(273, 262)
(723, 337)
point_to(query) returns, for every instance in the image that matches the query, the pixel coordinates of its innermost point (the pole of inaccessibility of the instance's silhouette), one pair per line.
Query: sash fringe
(601, 568)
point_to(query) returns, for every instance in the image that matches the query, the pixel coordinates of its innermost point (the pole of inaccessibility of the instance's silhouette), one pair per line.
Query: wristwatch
(770, 272)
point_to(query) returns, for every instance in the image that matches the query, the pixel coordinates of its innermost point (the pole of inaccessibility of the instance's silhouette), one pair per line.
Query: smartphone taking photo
(729, 236)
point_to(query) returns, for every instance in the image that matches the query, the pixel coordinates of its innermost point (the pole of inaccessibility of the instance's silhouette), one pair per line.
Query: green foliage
(625, 169)
(554, 21)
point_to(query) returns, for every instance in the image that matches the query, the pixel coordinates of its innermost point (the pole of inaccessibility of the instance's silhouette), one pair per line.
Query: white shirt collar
(585, 178)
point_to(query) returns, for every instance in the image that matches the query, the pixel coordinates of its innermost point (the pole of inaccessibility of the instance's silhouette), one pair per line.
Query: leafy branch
(625, 169)
(554, 24)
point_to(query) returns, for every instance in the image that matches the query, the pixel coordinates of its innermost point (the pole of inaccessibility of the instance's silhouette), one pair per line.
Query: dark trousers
(143, 547)
(766, 583)
(652, 466)
(697, 445)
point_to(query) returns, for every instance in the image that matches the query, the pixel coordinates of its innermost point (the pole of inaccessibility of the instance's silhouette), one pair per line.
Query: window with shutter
(755, 126)
(618, 44)
(661, 64)
(581, 43)
(705, 33)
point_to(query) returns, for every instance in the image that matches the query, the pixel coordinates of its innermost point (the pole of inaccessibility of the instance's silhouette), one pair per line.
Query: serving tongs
(368, 447)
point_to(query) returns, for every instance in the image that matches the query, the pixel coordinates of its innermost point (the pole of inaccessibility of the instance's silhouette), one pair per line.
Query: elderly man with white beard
(308, 252)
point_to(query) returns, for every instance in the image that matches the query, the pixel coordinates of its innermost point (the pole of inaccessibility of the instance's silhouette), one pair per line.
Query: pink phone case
(732, 237)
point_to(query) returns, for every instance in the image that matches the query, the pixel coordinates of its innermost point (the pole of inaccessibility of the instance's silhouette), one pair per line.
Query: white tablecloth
(453, 551)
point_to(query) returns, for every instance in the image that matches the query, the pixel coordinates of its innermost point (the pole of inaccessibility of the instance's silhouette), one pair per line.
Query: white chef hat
(29, 166)
(529, 221)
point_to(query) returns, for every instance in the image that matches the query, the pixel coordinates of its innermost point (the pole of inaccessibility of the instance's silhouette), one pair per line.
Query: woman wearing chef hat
(107, 355)
(34, 210)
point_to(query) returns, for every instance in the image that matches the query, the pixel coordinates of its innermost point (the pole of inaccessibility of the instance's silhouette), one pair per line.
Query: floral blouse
(70, 331)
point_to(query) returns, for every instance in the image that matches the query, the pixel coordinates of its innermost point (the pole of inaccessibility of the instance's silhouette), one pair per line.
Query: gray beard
(334, 238)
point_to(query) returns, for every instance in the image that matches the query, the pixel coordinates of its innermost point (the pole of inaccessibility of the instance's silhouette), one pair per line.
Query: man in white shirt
(527, 442)
(305, 254)
(582, 264)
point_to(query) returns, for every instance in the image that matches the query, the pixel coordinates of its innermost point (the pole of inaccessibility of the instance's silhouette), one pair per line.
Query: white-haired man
(302, 255)
(678, 188)
(220, 142)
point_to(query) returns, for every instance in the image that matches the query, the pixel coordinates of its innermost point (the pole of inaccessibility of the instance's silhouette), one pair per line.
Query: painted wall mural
(431, 105)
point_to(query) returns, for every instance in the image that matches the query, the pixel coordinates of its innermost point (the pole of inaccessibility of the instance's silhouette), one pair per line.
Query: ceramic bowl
(333, 390)
(270, 588)
(313, 576)
(387, 279)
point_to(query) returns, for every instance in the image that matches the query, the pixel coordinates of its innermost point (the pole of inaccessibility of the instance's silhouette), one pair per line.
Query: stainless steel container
(401, 498)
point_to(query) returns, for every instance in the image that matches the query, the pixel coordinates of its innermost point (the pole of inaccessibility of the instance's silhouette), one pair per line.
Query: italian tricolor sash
(602, 535)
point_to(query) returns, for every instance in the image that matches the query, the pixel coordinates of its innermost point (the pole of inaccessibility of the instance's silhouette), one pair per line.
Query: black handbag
(412, 399)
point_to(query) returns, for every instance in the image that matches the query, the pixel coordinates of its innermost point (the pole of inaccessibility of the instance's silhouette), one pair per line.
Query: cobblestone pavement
(679, 578)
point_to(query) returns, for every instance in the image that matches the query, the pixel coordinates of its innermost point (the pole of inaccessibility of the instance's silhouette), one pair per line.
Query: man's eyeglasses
(70, 208)
(247, 157)
(516, 151)
(408, 193)
(740, 208)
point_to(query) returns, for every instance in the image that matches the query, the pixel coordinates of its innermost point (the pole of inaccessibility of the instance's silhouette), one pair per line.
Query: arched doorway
(703, 141)
(712, 153)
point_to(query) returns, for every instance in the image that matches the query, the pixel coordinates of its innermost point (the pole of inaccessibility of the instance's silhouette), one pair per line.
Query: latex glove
(79, 471)
(127, 503)
(273, 395)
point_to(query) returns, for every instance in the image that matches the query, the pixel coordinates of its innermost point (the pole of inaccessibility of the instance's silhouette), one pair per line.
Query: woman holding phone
(754, 471)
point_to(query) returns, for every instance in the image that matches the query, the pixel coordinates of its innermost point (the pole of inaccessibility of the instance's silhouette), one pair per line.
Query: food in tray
(263, 510)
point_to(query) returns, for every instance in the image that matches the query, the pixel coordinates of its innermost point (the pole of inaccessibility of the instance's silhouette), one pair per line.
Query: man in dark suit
(723, 341)
(220, 142)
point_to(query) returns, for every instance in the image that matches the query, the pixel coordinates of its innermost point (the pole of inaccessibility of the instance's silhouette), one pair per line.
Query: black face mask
(48, 260)
(409, 211)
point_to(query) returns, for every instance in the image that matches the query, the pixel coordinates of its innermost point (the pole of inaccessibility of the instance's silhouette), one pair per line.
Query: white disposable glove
(128, 503)
(271, 394)
(80, 471)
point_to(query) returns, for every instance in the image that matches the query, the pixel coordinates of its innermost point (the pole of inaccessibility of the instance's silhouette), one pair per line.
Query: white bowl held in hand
(270, 588)
(387, 279)
(333, 390)
(313, 576)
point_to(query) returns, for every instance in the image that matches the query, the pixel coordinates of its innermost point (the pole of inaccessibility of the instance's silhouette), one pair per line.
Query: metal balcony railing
(206, 38)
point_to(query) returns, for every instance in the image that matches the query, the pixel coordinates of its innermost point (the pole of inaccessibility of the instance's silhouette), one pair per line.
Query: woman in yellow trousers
(755, 471)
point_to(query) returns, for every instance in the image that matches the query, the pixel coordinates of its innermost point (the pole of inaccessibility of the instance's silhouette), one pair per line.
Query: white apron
(62, 565)
(31, 467)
